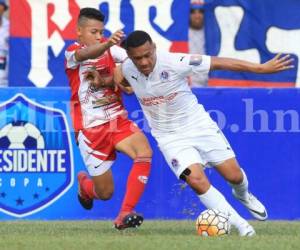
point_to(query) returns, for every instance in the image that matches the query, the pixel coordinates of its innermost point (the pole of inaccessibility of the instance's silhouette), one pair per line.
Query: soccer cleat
(255, 207)
(127, 220)
(246, 230)
(83, 198)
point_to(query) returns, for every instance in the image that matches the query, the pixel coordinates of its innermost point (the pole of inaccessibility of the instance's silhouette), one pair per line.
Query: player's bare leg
(237, 178)
(98, 187)
(137, 147)
(213, 199)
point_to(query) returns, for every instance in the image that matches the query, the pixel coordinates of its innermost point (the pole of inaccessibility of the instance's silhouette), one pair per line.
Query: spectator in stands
(197, 38)
(4, 36)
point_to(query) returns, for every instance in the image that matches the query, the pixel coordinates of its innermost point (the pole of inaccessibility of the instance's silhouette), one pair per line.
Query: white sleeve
(129, 71)
(71, 62)
(189, 64)
(125, 69)
(203, 65)
(119, 54)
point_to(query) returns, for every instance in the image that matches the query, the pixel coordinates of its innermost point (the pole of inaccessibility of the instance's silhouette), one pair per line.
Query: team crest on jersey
(164, 75)
(175, 163)
(36, 160)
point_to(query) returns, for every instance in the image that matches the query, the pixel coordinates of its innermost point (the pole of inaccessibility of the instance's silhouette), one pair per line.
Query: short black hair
(136, 39)
(193, 10)
(91, 13)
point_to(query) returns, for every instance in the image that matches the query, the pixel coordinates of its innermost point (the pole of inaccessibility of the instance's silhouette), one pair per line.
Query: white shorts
(94, 160)
(205, 146)
(97, 144)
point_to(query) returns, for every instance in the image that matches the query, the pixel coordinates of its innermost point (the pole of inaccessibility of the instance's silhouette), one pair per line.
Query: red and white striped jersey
(90, 107)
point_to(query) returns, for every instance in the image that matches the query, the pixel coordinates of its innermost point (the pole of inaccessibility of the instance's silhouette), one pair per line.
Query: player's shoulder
(168, 56)
(128, 65)
(170, 59)
(74, 46)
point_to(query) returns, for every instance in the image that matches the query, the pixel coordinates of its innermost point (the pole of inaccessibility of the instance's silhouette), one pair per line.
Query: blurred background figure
(196, 38)
(4, 36)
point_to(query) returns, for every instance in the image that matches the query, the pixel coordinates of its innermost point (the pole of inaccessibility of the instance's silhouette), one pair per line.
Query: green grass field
(158, 235)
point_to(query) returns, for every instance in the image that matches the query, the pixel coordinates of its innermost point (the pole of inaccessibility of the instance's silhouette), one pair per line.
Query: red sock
(136, 183)
(88, 188)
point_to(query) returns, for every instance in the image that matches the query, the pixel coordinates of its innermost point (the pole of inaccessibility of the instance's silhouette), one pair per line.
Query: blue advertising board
(262, 125)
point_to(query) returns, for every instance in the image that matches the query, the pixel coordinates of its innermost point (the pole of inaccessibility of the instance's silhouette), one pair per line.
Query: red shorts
(97, 144)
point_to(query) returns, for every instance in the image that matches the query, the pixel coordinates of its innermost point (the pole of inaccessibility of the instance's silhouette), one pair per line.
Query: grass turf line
(156, 235)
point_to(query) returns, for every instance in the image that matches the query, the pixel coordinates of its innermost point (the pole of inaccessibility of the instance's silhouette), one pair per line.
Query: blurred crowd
(4, 37)
(196, 37)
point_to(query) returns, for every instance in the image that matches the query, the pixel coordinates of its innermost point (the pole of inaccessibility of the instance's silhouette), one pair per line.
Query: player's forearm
(120, 80)
(92, 51)
(222, 63)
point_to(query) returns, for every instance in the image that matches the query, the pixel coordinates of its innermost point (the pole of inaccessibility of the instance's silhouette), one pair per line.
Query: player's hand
(128, 90)
(94, 78)
(121, 82)
(116, 37)
(278, 63)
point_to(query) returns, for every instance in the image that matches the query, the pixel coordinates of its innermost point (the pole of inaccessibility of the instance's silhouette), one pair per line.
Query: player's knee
(144, 153)
(236, 177)
(104, 194)
(197, 182)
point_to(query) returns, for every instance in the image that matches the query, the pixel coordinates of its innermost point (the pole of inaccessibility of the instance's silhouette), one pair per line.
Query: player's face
(143, 57)
(196, 19)
(90, 32)
(2, 9)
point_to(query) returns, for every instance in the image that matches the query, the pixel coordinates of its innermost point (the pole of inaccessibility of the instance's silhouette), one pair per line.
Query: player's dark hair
(136, 39)
(90, 13)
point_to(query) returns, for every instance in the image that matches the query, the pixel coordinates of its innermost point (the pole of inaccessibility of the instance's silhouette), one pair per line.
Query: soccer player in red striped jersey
(100, 120)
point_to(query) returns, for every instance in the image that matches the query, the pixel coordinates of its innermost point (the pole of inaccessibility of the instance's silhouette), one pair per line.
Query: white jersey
(197, 46)
(165, 97)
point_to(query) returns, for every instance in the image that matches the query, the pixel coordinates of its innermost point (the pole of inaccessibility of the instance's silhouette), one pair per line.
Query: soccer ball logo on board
(36, 161)
(21, 135)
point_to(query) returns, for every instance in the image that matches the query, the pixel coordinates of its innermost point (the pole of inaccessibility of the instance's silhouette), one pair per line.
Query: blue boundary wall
(262, 126)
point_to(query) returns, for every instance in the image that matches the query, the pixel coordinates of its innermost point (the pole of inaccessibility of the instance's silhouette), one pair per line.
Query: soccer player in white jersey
(100, 120)
(188, 138)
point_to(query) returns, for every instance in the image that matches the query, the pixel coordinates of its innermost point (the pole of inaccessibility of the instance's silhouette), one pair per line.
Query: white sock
(213, 199)
(241, 189)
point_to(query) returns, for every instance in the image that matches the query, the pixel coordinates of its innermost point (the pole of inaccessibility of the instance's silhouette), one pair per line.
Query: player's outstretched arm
(96, 50)
(277, 64)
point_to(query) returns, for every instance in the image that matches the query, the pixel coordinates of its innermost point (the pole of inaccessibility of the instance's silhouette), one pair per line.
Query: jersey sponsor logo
(106, 100)
(36, 161)
(151, 101)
